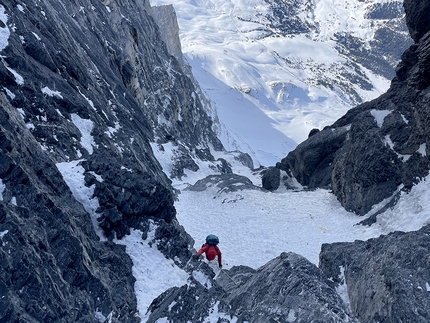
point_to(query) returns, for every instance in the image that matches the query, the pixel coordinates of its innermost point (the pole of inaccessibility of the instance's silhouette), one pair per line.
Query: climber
(211, 249)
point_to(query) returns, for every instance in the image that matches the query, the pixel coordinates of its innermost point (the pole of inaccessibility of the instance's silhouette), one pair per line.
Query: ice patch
(50, 92)
(216, 316)
(18, 78)
(87, 99)
(111, 131)
(36, 36)
(2, 189)
(171, 305)
(10, 94)
(85, 126)
(388, 142)
(202, 279)
(422, 150)
(291, 316)
(3, 233)
(100, 317)
(73, 175)
(427, 287)
(379, 116)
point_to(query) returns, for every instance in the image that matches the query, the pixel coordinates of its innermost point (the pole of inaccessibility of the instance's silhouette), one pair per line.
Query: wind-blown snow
(254, 227)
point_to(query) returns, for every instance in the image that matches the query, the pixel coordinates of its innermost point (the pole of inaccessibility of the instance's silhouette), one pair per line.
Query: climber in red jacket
(211, 250)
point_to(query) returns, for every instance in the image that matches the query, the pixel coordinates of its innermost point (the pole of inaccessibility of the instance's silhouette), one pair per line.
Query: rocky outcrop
(53, 266)
(287, 289)
(271, 178)
(387, 278)
(165, 17)
(88, 90)
(224, 183)
(380, 146)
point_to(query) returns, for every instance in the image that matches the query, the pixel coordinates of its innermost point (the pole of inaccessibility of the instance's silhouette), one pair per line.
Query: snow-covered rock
(287, 289)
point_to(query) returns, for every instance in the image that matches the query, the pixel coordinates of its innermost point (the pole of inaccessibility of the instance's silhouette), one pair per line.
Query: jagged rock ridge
(287, 289)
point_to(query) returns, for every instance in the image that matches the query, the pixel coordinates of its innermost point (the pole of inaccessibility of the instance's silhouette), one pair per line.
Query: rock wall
(87, 87)
(165, 17)
(380, 146)
(387, 278)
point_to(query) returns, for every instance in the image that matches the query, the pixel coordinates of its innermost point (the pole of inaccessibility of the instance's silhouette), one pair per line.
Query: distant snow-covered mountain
(275, 69)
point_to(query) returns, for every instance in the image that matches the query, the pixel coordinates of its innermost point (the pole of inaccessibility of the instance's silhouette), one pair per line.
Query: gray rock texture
(387, 278)
(165, 18)
(380, 146)
(287, 289)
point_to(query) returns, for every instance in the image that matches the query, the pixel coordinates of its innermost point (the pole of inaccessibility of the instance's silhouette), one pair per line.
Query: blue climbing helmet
(212, 240)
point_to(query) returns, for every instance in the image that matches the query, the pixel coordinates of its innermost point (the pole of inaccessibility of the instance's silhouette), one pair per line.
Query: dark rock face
(417, 18)
(379, 146)
(271, 178)
(53, 266)
(387, 278)
(90, 84)
(286, 289)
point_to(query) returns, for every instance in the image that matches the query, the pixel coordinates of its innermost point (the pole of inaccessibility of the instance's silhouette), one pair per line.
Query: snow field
(255, 227)
(268, 82)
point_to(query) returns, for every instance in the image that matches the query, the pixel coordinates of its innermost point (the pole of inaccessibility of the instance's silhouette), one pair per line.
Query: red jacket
(211, 252)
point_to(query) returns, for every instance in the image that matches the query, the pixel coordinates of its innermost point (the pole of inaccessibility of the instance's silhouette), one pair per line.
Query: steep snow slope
(285, 67)
(255, 227)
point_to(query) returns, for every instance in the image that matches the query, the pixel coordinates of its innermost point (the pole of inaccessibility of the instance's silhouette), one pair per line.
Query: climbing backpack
(212, 240)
